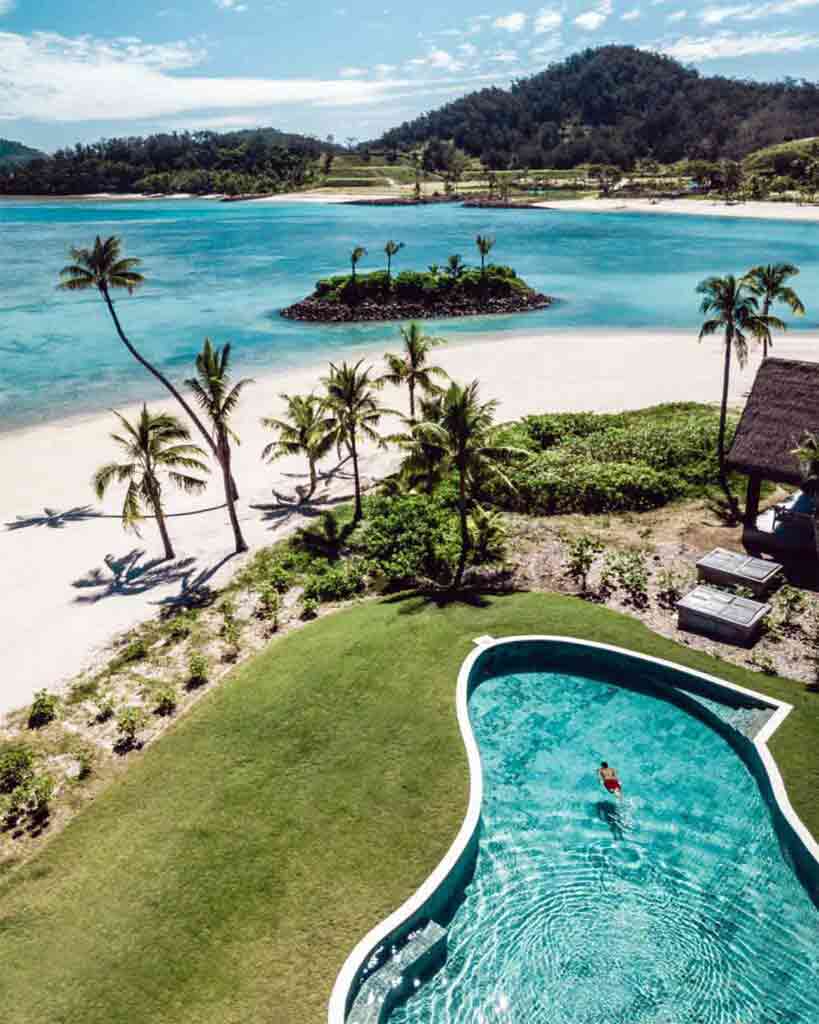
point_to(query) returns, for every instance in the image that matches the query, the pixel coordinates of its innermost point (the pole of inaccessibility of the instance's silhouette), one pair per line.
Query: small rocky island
(436, 293)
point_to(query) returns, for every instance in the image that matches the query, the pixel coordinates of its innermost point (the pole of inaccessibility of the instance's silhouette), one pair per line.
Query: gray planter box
(730, 569)
(736, 620)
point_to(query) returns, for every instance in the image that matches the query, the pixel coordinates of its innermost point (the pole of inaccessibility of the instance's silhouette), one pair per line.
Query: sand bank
(72, 579)
(694, 207)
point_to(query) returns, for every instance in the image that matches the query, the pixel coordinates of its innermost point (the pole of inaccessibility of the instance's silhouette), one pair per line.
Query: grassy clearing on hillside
(228, 874)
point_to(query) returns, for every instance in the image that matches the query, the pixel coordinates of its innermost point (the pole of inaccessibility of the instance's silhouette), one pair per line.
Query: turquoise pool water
(224, 269)
(674, 906)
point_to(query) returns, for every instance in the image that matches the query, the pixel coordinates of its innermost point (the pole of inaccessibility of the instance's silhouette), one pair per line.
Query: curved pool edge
(340, 997)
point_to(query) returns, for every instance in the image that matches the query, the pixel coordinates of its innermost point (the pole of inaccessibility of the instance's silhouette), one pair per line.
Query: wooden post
(752, 499)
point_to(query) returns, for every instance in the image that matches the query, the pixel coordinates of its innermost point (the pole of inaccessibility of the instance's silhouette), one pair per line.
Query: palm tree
(391, 249)
(462, 439)
(484, 244)
(769, 283)
(354, 413)
(213, 391)
(736, 313)
(156, 443)
(307, 429)
(410, 367)
(808, 455)
(103, 267)
(356, 256)
(455, 266)
(422, 467)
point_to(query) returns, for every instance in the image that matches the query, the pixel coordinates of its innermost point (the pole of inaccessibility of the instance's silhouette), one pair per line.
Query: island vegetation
(451, 290)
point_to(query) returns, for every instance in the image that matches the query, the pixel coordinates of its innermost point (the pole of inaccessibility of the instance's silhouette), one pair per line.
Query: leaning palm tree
(808, 455)
(391, 249)
(218, 399)
(356, 256)
(355, 413)
(103, 267)
(156, 443)
(462, 439)
(484, 244)
(769, 283)
(736, 313)
(306, 430)
(410, 367)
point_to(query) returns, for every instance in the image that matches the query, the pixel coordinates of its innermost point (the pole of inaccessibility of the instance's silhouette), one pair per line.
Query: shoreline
(77, 578)
(750, 210)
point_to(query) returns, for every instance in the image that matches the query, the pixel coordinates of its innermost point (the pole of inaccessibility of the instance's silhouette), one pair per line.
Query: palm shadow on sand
(130, 574)
(54, 519)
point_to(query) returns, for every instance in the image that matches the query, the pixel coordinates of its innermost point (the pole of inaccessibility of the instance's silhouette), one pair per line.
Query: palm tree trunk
(412, 401)
(766, 308)
(156, 505)
(223, 456)
(723, 416)
(313, 478)
(359, 512)
(153, 370)
(459, 572)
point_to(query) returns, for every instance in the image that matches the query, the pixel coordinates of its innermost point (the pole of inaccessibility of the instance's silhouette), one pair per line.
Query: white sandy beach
(61, 602)
(693, 207)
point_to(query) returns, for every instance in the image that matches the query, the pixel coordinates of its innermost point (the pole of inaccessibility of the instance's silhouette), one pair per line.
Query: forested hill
(263, 160)
(15, 153)
(617, 104)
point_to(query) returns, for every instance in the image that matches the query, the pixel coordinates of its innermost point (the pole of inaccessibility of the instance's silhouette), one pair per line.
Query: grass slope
(228, 874)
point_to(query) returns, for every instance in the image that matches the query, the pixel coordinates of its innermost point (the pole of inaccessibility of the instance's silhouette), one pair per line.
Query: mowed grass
(228, 874)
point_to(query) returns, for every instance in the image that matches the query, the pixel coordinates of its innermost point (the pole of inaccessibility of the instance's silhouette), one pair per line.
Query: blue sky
(76, 70)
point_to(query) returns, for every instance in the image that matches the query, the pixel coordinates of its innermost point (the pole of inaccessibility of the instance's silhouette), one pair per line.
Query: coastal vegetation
(212, 857)
(15, 154)
(259, 161)
(452, 290)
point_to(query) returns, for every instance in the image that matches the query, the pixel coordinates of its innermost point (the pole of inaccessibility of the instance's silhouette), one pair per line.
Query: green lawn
(227, 875)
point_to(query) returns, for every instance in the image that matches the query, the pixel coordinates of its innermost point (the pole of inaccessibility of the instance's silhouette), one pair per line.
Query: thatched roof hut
(782, 406)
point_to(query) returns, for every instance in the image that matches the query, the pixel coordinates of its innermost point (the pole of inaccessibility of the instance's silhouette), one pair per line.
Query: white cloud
(677, 16)
(352, 72)
(547, 19)
(753, 12)
(511, 22)
(631, 15)
(231, 5)
(591, 20)
(384, 70)
(439, 60)
(468, 50)
(49, 77)
(547, 49)
(723, 45)
(504, 57)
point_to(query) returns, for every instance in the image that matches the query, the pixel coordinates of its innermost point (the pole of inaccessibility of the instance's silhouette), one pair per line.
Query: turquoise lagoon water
(224, 269)
(674, 906)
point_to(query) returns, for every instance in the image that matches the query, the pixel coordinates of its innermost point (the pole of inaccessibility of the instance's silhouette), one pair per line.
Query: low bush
(130, 721)
(16, 768)
(409, 538)
(198, 669)
(336, 583)
(626, 571)
(309, 608)
(581, 553)
(268, 605)
(31, 799)
(105, 708)
(43, 709)
(166, 701)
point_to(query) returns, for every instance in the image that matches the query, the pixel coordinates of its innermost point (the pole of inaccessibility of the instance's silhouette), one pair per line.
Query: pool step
(397, 978)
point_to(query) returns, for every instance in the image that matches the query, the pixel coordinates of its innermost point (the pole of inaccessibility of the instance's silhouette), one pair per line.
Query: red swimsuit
(612, 785)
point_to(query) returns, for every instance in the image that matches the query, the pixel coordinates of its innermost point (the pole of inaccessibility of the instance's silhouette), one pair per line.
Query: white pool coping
(337, 1008)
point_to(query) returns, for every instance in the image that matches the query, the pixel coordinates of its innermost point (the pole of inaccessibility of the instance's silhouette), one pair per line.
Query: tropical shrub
(130, 721)
(411, 537)
(336, 583)
(198, 669)
(487, 536)
(309, 608)
(105, 708)
(581, 553)
(268, 605)
(43, 709)
(788, 602)
(166, 701)
(16, 768)
(627, 571)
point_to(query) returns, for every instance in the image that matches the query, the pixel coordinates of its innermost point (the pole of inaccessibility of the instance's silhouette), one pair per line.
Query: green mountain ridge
(615, 105)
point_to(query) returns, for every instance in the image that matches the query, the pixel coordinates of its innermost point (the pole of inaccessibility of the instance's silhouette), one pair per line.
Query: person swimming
(608, 776)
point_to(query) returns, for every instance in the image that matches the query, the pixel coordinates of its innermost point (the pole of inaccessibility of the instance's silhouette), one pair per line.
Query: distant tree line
(616, 105)
(199, 162)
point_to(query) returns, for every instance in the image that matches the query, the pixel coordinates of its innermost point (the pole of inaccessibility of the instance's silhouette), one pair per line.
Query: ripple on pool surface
(672, 906)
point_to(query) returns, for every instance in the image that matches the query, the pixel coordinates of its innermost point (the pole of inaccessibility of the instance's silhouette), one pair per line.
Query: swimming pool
(681, 903)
